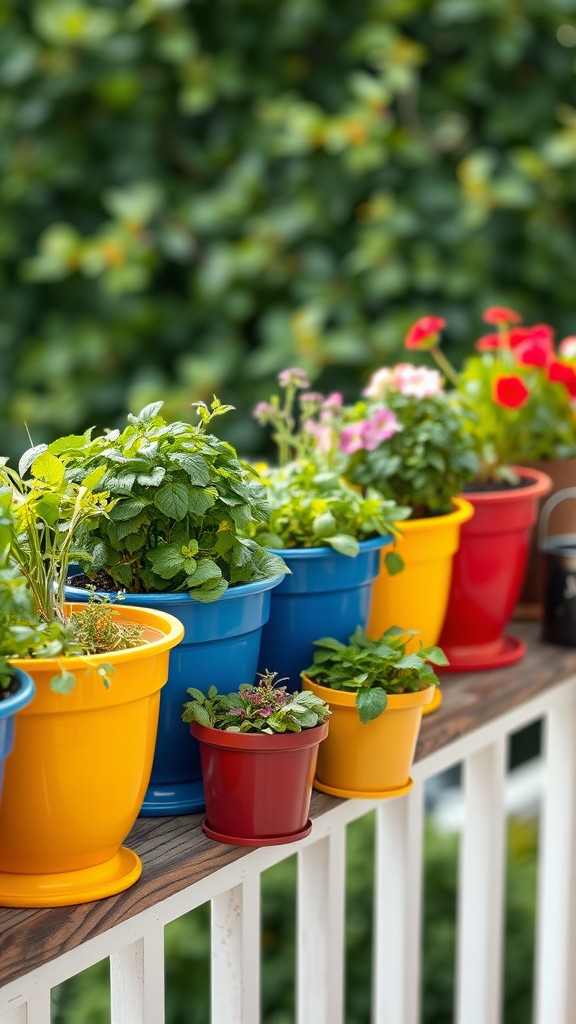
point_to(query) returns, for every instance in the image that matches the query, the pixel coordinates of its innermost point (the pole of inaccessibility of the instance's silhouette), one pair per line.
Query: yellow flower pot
(417, 597)
(74, 784)
(372, 760)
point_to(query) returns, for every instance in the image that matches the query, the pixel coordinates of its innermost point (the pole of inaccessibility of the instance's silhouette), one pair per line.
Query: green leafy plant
(312, 505)
(372, 669)
(40, 517)
(428, 458)
(181, 498)
(264, 707)
(519, 391)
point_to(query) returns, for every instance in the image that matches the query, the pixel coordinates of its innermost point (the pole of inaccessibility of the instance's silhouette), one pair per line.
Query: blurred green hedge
(196, 193)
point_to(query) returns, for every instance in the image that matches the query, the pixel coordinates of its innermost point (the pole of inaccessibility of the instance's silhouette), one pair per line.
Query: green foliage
(181, 497)
(263, 707)
(195, 195)
(427, 463)
(372, 669)
(313, 507)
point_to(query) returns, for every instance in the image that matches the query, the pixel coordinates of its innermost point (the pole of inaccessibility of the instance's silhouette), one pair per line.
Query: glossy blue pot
(220, 646)
(9, 708)
(327, 594)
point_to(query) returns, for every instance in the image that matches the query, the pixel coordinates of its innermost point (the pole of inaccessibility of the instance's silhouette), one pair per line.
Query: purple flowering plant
(312, 504)
(263, 707)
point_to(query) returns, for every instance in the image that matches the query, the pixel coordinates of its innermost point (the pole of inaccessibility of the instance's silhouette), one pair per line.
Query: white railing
(135, 945)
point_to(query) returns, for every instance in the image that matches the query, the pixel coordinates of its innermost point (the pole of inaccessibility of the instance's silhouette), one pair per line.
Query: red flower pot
(488, 572)
(257, 786)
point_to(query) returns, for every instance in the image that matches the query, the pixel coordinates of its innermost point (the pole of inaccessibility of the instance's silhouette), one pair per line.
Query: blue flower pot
(220, 646)
(328, 594)
(9, 707)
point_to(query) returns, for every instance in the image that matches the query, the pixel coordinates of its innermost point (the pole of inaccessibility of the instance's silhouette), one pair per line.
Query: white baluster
(397, 909)
(236, 954)
(556, 945)
(320, 930)
(137, 981)
(481, 888)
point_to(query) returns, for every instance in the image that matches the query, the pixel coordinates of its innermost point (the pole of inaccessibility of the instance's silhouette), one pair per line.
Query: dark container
(558, 563)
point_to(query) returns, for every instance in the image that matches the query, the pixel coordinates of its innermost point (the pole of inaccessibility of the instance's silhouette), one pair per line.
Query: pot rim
(170, 628)
(259, 741)
(396, 701)
(18, 700)
(540, 485)
(462, 512)
(373, 543)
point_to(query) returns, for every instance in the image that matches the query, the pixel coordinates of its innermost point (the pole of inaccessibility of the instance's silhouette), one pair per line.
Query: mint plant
(264, 707)
(182, 501)
(315, 508)
(373, 669)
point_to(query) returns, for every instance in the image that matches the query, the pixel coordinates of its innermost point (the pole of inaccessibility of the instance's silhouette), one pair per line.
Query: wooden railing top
(176, 853)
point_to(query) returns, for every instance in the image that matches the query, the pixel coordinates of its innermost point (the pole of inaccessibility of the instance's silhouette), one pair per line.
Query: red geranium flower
(510, 392)
(487, 342)
(424, 332)
(501, 315)
(562, 373)
(538, 332)
(534, 352)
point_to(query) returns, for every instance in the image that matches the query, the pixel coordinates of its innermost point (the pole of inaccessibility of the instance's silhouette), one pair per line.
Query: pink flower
(501, 315)
(352, 437)
(424, 333)
(567, 347)
(311, 396)
(380, 427)
(262, 411)
(418, 381)
(378, 383)
(294, 375)
(335, 400)
(510, 392)
(539, 332)
(323, 433)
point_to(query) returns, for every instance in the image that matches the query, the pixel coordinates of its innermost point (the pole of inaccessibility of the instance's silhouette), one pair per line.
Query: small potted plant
(75, 779)
(258, 748)
(423, 464)
(329, 533)
(377, 690)
(518, 395)
(173, 541)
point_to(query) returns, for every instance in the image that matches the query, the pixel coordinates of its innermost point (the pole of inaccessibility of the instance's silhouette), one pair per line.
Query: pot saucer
(477, 657)
(67, 888)
(279, 840)
(173, 798)
(373, 794)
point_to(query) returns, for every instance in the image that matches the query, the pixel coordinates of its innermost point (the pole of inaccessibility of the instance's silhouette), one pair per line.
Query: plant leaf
(371, 703)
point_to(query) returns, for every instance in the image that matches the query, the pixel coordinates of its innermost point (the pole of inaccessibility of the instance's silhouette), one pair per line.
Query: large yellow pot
(372, 760)
(417, 597)
(74, 784)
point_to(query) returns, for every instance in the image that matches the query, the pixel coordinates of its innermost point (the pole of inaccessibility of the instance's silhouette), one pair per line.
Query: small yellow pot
(372, 760)
(417, 597)
(74, 784)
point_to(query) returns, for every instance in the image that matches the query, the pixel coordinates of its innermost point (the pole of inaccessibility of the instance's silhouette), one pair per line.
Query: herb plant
(181, 499)
(315, 508)
(39, 520)
(372, 669)
(264, 707)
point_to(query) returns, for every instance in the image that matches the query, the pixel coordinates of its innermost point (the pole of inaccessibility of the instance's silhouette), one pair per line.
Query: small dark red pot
(257, 786)
(488, 572)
